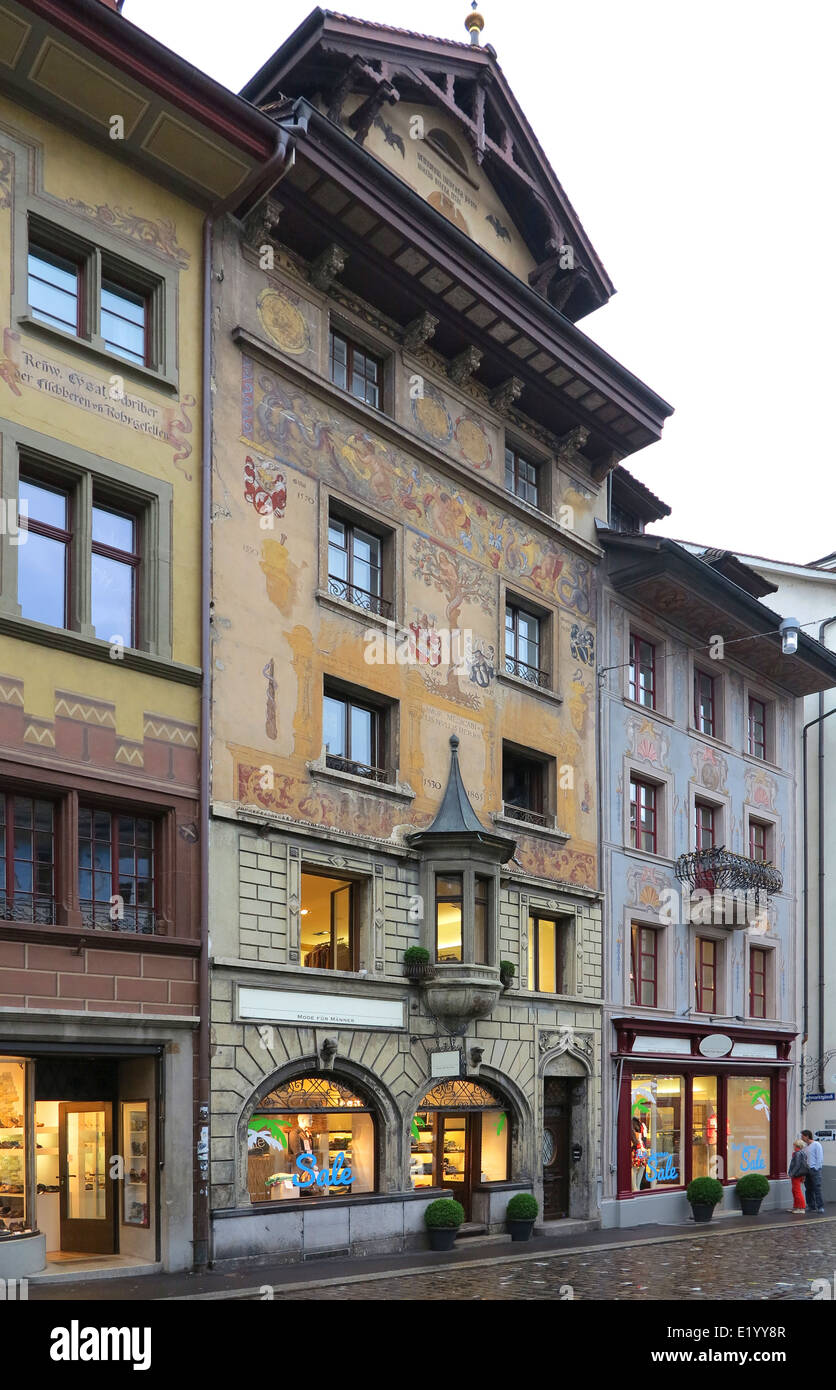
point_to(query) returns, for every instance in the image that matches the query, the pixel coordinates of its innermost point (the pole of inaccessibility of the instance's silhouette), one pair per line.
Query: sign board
(819, 1095)
(448, 1063)
(830, 1124)
(648, 1043)
(825, 1136)
(716, 1045)
(343, 1010)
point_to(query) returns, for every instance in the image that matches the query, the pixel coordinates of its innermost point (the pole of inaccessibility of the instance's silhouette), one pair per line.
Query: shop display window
(656, 1121)
(704, 1128)
(748, 1108)
(460, 1138)
(310, 1138)
(136, 1153)
(14, 1206)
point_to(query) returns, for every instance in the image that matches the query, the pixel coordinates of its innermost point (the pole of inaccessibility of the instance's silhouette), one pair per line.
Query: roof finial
(474, 24)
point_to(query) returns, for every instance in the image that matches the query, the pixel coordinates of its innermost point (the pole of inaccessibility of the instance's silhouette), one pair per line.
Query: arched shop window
(461, 1139)
(311, 1137)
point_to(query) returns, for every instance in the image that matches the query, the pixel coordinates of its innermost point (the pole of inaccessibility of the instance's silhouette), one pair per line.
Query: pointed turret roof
(457, 822)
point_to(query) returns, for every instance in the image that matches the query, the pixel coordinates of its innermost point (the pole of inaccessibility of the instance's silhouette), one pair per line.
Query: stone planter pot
(419, 970)
(750, 1206)
(442, 1237)
(520, 1230)
(703, 1211)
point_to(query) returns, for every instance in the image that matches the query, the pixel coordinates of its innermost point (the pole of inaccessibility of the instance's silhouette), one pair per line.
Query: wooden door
(556, 1149)
(85, 1143)
(454, 1160)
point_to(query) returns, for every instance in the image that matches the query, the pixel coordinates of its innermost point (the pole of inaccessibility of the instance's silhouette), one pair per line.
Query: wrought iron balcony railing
(718, 870)
(27, 907)
(524, 813)
(142, 920)
(361, 598)
(373, 774)
(524, 672)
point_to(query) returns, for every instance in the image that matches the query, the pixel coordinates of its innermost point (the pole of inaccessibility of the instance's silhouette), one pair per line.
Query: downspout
(262, 181)
(805, 848)
(820, 815)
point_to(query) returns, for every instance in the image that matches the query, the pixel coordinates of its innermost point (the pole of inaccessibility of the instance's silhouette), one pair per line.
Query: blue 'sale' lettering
(309, 1175)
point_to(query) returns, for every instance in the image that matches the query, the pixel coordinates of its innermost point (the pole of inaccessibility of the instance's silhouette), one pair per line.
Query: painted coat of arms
(265, 486)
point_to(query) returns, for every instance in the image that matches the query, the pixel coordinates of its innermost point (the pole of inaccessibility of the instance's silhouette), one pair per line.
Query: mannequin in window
(638, 1154)
(302, 1140)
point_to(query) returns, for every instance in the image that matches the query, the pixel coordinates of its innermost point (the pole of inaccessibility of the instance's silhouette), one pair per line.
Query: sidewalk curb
(278, 1290)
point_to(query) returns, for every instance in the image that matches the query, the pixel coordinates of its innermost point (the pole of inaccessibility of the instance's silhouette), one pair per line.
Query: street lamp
(789, 631)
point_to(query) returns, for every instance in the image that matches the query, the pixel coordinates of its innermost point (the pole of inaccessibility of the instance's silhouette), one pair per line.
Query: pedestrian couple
(806, 1166)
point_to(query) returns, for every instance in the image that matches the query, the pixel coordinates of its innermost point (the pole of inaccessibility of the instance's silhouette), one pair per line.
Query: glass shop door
(85, 1143)
(453, 1161)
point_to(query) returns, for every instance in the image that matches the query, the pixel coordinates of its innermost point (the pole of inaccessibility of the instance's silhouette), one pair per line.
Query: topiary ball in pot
(416, 963)
(751, 1190)
(520, 1214)
(507, 971)
(442, 1220)
(704, 1194)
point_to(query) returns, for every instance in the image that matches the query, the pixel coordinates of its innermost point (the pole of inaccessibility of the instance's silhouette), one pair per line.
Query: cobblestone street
(778, 1264)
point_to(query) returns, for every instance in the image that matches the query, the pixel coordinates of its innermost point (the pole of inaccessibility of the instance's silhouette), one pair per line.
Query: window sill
(529, 828)
(504, 678)
(64, 640)
(99, 353)
(648, 711)
(711, 739)
(647, 856)
(396, 791)
(761, 762)
(354, 611)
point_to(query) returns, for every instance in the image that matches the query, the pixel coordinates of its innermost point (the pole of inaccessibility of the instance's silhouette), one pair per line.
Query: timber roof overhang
(682, 589)
(80, 63)
(329, 52)
(635, 497)
(405, 259)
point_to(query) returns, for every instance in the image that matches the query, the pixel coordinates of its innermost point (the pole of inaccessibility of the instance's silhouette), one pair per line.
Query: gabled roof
(329, 52)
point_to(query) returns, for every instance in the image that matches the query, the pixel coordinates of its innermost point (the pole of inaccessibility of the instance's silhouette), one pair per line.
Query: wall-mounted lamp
(789, 631)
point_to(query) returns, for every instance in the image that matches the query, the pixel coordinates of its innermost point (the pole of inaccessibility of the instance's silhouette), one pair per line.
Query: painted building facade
(701, 753)
(105, 182)
(411, 444)
(808, 593)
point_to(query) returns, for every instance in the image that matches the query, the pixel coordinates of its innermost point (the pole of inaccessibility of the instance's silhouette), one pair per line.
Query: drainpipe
(262, 181)
(820, 816)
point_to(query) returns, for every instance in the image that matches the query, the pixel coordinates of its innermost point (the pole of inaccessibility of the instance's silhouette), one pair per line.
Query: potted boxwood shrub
(507, 971)
(751, 1189)
(442, 1220)
(417, 964)
(704, 1194)
(520, 1214)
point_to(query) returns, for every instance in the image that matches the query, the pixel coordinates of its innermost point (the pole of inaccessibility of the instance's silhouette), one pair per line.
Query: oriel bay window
(464, 903)
(27, 859)
(327, 933)
(311, 1138)
(692, 1125)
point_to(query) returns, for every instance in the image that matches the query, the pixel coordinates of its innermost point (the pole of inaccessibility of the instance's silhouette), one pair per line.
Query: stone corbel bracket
(328, 267)
(461, 368)
(506, 394)
(419, 331)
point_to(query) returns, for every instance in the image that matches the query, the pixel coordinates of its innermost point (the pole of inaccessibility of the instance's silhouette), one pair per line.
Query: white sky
(696, 144)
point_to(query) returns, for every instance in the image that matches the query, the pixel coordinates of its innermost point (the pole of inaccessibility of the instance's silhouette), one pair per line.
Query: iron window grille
(27, 859)
(116, 869)
(523, 639)
(355, 567)
(355, 370)
(642, 684)
(522, 478)
(354, 734)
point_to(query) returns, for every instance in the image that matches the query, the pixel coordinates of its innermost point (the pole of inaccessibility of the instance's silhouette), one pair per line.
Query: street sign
(820, 1095)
